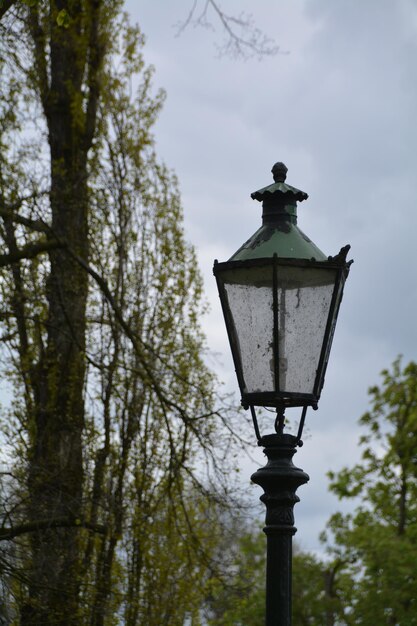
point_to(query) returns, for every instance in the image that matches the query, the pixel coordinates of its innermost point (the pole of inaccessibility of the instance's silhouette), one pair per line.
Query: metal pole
(279, 479)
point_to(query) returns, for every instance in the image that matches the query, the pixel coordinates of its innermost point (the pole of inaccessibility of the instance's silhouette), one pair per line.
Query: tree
(376, 546)
(242, 602)
(112, 433)
(242, 599)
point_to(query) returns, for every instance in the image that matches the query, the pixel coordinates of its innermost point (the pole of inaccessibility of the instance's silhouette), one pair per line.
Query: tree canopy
(111, 438)
(375, 548)
(369, 574)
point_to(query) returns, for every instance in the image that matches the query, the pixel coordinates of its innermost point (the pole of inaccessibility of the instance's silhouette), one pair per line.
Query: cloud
(340, 111)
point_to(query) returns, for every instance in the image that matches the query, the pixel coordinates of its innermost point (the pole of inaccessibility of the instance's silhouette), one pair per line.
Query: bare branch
(181, 26)
(30, 251)
(5, 5)
(14, 531)
(96, 52)
(37, 225)
(39, 41)
(243, 39)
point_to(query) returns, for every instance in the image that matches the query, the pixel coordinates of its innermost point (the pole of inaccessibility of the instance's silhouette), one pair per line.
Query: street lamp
(280, 297)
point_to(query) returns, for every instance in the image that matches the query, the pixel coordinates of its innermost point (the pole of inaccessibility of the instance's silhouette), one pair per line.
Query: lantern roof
(279, 233)
(279, 188)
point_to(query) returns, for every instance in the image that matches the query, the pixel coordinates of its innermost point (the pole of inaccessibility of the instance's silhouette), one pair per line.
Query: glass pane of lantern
(249, 295)
(332, 327)
(304, 298)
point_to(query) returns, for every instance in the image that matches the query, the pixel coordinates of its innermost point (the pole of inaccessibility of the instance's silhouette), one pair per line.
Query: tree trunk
(56, 465)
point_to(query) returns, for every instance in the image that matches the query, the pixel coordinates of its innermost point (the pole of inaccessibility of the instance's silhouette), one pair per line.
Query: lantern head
(280, 297)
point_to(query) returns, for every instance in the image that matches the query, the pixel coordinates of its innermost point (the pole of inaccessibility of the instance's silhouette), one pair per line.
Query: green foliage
(63, 19)
(313, 599)
(145, 517)
(370, 574)
(376, 546)
(241, 602)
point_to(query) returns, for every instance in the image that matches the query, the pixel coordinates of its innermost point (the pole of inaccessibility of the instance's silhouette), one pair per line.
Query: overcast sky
(340, 109)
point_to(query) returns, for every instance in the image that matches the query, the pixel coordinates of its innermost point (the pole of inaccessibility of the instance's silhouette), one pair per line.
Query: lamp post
(280, 297)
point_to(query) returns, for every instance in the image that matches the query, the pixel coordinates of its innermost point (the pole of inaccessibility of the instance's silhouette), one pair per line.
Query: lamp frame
(283, 398)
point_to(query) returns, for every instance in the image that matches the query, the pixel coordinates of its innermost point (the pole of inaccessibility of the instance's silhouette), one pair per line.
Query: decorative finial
(279, 172)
